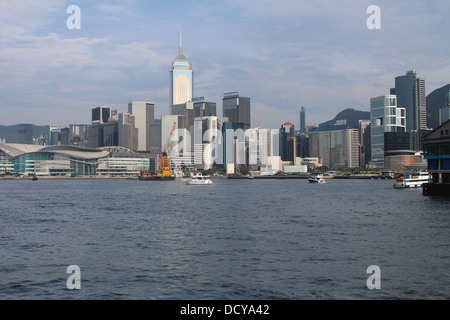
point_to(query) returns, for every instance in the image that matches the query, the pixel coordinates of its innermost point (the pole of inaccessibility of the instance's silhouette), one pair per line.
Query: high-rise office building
(198, 107)
(169, 124)
(364, 146)
(103, 134)
(232, 134)
(288, 142)
(302, 120)
(181, 80)
(337, 148)
(110, 134)
(65, 136)
(206, 145)
(127, 131)
(155, 134)
(26, 134)
(410, 92)
(95, 135)
(79, 134)
(187, 111)
(302, 145)
(237, 108)
(144, 114)
(101, 114)
(204, 109)
(55, 132)
(385, 116)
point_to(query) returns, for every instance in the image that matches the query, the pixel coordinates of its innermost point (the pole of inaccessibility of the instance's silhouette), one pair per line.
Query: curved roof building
(15, 150)
(49, 160)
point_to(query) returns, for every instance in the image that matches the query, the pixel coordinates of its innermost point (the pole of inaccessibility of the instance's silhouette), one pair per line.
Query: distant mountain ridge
(435, 100)
(351, 115)
(11, 133)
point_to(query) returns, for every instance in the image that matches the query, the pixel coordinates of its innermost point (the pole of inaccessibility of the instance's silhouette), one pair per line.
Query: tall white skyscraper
(181, 80)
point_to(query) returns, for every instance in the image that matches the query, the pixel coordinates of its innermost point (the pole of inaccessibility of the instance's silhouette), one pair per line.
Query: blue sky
(282, 54)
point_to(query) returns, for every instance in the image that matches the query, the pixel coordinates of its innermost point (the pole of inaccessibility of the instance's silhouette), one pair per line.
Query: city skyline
(283, 55)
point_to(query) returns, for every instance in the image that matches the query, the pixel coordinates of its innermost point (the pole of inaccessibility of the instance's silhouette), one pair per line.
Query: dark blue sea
(235, 239)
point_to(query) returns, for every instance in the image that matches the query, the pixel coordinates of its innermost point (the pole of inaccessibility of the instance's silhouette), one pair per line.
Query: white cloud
(282, 54)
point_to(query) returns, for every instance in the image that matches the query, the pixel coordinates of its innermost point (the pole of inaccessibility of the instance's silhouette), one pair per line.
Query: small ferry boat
(411, 180)
(199, 180)
(316, 179)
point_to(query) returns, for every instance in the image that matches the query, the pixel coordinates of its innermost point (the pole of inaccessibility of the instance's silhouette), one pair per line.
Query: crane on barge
(164, 171)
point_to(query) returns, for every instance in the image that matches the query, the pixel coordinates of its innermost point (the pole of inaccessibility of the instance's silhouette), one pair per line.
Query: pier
(436, 189)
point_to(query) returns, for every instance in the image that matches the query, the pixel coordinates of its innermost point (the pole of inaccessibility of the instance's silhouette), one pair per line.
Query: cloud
(282, 54)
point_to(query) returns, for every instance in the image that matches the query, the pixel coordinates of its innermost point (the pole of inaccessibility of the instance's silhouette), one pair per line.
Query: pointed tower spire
(181, 47)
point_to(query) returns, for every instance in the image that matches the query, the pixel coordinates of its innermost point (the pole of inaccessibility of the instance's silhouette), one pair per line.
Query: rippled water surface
(235, 239)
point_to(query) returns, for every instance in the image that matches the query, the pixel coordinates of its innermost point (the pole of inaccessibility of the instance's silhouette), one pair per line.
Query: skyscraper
(144, 114)
(410, 92)
(385, 116)
(101, 114)
(79, 134)
(236, 108)
(302, 120)
(337, 148)
(232, 133)
(205, 132)
(181, 80)
(127, 131)
(288, 142)
(26, 134)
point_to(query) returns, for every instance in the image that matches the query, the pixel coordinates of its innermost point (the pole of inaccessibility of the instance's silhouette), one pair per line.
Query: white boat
(316, 179)
(411, 180)
(199, 180)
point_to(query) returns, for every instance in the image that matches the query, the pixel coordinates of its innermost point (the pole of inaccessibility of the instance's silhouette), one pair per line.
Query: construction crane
(164, 168)
(168, 145)
(164, 171)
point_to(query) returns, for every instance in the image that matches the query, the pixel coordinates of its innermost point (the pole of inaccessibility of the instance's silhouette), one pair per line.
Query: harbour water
(235, 239)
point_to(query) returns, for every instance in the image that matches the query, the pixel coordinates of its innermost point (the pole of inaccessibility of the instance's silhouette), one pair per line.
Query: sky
(283, 54)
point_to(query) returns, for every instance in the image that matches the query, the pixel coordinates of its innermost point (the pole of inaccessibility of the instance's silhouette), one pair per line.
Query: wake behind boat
(199, 180)
(411, 180)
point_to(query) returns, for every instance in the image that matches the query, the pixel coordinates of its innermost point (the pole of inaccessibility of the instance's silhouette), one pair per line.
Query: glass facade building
(302, 120)
(101, 114)
(181, 80)
(232, 132)
(385, 116)
(337, 148)
(410, 92)
(288, 143)
(236, 109)
(26, 160)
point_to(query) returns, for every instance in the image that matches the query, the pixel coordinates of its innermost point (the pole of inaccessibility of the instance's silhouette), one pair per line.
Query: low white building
(295, 169)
